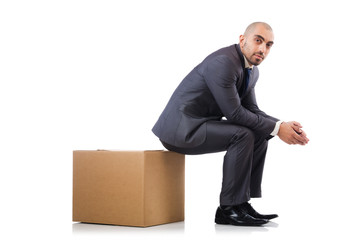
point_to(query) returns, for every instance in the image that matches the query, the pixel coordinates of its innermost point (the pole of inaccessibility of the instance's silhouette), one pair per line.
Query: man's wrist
(276, 128)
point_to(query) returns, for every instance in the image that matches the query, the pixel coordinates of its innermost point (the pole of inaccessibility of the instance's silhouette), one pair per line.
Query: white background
(97, 74)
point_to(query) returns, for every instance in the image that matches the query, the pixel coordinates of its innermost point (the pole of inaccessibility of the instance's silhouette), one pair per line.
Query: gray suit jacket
(212, 90)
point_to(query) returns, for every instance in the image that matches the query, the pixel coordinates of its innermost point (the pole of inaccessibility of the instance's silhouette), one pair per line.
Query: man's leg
(260, 149)
(242, 171)
(238, 141)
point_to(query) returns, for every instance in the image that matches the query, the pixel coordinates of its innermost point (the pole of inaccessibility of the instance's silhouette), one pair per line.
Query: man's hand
(291, 133)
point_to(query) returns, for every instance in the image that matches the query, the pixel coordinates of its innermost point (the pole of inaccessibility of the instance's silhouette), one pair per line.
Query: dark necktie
(247, 77)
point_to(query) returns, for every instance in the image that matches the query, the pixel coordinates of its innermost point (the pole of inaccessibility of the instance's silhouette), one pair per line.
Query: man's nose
(262, 48)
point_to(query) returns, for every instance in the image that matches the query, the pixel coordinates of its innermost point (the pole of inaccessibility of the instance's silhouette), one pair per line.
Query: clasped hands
(291, 133)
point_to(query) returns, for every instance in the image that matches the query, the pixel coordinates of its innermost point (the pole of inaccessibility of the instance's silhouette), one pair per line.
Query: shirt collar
(247, 65)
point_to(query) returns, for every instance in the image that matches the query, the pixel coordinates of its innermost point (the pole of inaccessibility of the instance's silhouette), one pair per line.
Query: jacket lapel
(252, 78)
(239, 83)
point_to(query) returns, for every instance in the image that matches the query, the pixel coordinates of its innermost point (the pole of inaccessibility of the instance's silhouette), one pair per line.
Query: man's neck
(247, 64)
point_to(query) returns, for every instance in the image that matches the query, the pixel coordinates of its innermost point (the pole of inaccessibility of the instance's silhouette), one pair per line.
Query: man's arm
(289, 132)
(250, 103)
(220, 76)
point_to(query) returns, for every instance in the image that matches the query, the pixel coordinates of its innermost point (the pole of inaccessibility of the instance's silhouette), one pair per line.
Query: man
(193, 122)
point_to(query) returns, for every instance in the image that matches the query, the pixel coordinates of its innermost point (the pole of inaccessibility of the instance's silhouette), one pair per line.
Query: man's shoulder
(229, 54)
(227, 51)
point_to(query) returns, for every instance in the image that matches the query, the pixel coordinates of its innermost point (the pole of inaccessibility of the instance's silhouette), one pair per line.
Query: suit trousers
(243, 162)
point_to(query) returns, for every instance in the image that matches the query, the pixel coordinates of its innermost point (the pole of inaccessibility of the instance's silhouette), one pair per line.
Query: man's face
(256, 45)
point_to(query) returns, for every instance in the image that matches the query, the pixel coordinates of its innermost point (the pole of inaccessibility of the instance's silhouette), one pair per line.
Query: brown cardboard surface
(133, 188)
(164, 191)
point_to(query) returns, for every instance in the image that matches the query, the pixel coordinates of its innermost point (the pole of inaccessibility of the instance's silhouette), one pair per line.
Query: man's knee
(244, 135)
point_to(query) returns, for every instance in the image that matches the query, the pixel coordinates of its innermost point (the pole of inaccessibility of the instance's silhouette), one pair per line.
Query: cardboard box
(133, 188)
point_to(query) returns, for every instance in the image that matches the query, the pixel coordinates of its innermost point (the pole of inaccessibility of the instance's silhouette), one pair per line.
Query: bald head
(256, 42)
(251, 28)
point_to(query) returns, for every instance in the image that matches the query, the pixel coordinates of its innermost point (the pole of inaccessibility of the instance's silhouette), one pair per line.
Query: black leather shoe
(247, 208)
(231, 215)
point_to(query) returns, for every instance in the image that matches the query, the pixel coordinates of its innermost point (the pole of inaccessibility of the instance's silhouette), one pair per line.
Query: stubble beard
(257, 61)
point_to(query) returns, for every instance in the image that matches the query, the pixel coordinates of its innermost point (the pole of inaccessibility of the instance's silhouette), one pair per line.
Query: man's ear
(241, 41)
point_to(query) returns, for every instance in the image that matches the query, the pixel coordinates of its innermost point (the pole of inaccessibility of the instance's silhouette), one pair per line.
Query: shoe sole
(225, 222)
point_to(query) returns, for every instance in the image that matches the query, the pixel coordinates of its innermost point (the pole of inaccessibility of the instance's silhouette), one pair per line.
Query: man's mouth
(258, 56)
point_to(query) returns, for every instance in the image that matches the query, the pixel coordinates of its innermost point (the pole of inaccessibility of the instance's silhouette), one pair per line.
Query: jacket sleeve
(221, 75)
(250, 103)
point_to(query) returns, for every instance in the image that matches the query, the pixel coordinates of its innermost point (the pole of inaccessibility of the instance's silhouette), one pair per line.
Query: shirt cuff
(276, 128)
